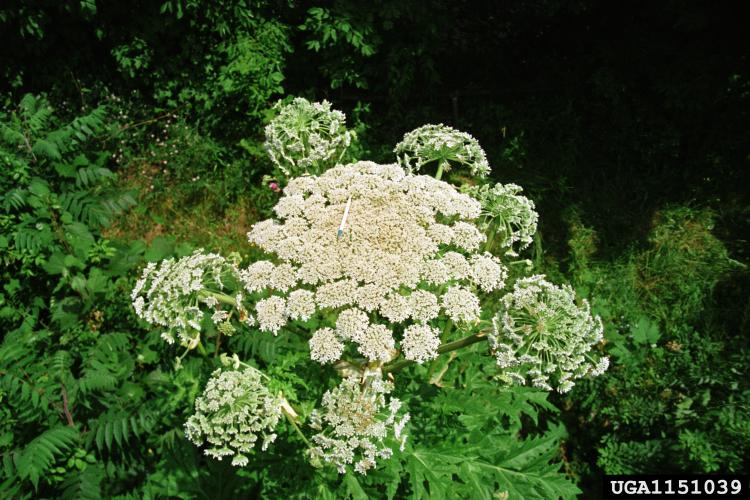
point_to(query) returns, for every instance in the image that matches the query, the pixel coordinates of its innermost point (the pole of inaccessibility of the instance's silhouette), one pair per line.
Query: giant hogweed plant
(377, 268)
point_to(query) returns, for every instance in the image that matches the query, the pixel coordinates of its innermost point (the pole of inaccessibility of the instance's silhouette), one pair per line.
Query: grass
(189, 214)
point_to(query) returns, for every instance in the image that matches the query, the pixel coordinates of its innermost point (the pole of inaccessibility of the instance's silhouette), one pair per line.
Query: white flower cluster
(444, 145)
(406, 251)
(354, 422)
(544, 335)
(175, 294)
(233, 413)
(378, 260)
(420, 342)
(511, 216)
(306, 137)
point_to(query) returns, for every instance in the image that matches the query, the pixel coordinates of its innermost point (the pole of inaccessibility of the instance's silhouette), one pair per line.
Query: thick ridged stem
(447, 347)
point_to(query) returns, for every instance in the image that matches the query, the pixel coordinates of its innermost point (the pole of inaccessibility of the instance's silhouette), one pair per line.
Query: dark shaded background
(619, 107)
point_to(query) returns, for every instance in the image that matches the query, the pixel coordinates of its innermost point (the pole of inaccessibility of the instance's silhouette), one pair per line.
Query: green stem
(221, 297)
(490, 239)
(201, 349)
(291, 419)
(447, 347)
(525, 262)
(458, 344)
(439, 173)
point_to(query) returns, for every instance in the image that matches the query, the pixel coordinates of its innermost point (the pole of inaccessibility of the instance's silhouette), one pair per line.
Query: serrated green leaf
(353, 487)
(645, 331)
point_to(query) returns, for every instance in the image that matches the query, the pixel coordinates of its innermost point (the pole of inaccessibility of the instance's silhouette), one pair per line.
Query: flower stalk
(447, 347)
(221, 297)
(292, 417)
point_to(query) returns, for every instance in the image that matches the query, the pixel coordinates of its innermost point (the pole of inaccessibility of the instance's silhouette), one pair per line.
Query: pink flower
(274, 187)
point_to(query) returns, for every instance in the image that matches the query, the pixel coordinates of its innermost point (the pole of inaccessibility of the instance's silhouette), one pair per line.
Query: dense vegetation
(131, 132)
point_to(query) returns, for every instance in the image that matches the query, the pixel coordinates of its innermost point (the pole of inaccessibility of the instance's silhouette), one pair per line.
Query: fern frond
(263, 347)
(39, 187)
(29, 398)
(117, 203)
(31, 240)
(82, 129)
(12, 136)
(97, 381)
(96, 210)
(26, 393)
(117, 427)
(61, 362)
(103, 369)
(12, 352)
(14, 199)
(111, 206)
(37, 457)
(89, 125)
(90, 176)
(36, 113)
(62, 139)
(115, 341)
(47, 149)
(77, 203)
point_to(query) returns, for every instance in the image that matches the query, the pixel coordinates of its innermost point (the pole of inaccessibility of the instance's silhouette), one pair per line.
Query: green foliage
(133, 59)
(676, 398)
(522, 471)
(685, 261)
(346, 36)
(75, 389)
(53, 191)
(470, 444)
(630, 457)
(492, 438)
(240, 59)
(38, 455)
(254, 69)
(186, 180)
